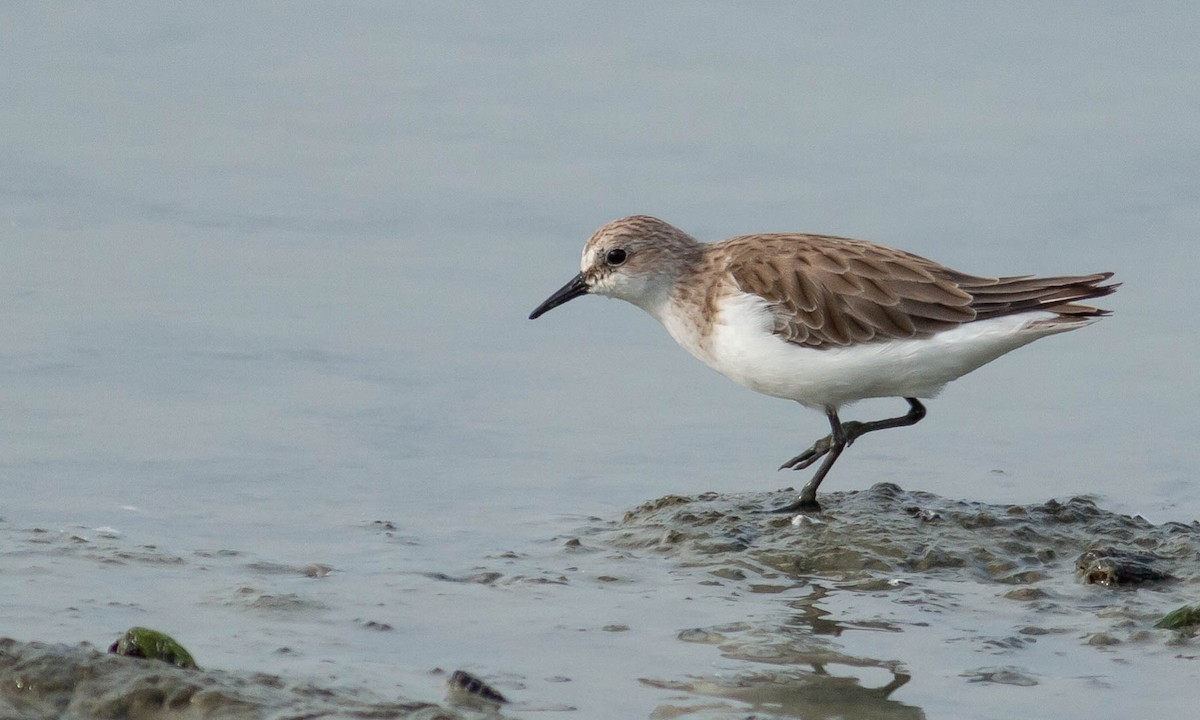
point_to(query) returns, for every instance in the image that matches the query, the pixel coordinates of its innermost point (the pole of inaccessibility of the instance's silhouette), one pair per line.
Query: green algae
(1182, 618)
(153, 645)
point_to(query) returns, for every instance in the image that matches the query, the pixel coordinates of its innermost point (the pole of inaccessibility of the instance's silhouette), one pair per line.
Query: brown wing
(831, 292)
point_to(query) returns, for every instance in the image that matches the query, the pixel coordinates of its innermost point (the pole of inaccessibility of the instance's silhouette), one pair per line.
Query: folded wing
(832, 292)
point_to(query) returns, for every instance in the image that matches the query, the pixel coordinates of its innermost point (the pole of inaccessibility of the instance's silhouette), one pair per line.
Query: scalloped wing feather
(833, 292)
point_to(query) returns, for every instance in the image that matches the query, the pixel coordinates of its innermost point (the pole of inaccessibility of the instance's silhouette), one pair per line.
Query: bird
(823, 320)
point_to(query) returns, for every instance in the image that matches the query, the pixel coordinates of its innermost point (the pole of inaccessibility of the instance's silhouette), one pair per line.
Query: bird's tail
(997, 297)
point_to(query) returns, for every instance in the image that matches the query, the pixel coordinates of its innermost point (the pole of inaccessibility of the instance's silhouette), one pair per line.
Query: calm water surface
(266, 272)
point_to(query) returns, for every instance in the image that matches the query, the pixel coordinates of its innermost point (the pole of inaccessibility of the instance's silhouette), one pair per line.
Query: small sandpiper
(825, 321)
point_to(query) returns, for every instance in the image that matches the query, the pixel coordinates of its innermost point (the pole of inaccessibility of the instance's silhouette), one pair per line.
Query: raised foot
(820, 448)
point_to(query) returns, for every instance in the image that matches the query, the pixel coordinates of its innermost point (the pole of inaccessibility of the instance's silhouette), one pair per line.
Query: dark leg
(832, 445)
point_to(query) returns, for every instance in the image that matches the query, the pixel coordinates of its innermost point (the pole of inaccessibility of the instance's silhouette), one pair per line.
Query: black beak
(578, 286)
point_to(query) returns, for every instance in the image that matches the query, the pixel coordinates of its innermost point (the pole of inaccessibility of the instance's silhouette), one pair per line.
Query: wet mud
(836, 614)
(43, 681)
(1067, 571)
(885, 534)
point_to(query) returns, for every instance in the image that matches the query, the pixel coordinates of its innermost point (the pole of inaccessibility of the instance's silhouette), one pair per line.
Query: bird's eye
(616, 256)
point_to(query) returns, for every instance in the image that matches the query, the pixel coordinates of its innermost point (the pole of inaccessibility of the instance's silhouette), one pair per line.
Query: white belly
(743, 348)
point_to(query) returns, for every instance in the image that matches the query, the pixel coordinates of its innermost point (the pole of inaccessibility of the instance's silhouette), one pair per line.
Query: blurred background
(265, 269)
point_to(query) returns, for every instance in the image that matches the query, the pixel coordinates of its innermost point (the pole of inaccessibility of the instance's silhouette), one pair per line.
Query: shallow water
(709, 606)
(266, 381)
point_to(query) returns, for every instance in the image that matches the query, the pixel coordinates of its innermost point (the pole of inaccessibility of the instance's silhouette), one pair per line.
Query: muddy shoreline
(819, 594)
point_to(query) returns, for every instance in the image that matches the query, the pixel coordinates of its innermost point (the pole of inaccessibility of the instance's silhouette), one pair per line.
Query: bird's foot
(799, 505)
(820, 448)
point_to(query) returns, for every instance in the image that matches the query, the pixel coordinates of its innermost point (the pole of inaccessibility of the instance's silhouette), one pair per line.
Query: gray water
(264, 285)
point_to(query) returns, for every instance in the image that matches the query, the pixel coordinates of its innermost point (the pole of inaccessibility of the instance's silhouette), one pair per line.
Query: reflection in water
(807, 617)
(816, 620)
(917, 553)
(795, 693)
(799, 683)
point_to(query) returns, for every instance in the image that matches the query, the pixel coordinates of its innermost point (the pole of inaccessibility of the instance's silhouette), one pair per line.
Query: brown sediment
(40, 681)
(886, 530)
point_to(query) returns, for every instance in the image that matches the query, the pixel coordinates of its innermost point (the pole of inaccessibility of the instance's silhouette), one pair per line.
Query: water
(266, 272)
